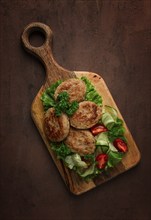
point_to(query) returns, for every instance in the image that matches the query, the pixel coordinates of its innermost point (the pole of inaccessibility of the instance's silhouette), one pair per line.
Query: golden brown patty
(74, 87)
(80, 141)
(87, 115)
(56, 128)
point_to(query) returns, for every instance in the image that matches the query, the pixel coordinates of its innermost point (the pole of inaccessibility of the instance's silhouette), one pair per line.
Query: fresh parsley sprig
(63, 105)
(61, 150)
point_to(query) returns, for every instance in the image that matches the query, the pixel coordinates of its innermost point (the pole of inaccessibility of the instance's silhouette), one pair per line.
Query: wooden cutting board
(53, 73)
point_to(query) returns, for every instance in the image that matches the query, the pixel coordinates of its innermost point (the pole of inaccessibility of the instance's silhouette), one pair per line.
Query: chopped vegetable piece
(97, 129)
(111, 111)
(120, 145)
(75, 160)
(102, 160)
(63, 105)
(48, 96)
(114, 158)
(88, 171)
(108, 120)
(60, 149)
(117, 131)
(102, 139)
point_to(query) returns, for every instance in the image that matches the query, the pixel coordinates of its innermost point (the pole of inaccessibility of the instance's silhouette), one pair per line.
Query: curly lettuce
(91, 93)
(47, 97)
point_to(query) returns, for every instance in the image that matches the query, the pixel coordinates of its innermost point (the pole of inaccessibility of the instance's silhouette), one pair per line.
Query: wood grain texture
(53, 73)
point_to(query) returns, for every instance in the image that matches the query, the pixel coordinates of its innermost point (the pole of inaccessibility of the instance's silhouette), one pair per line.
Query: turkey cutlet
(80, 141)
(87, 115)
(74, 87)
(56, 127)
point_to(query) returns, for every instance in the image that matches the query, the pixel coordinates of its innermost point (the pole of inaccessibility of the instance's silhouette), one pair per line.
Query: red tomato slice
(120, 145)
(102, 160)
(98, 128)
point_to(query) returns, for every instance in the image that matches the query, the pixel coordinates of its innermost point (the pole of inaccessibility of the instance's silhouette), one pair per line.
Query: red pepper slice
(120, 145)
(98, 128)
(102, 160)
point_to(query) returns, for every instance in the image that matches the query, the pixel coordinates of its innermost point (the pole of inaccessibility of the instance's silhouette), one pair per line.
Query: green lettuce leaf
(48, 96)
(61, 150)
(51, 90)
(74, 160)
(47, 101)
(91, 93)
(113, 123)
(90, 157)
(114, 158)
(117, 131)
(87, 172)
(102, 139)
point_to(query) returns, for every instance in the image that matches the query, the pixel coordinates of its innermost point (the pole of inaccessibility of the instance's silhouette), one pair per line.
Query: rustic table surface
(111, 38)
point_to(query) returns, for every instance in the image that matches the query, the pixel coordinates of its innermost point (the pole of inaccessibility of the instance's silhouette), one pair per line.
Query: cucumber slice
(88, 171)
(103, 141)
(112, 111)
(108, 120)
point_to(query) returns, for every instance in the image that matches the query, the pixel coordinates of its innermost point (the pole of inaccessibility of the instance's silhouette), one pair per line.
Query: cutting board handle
(44, 52)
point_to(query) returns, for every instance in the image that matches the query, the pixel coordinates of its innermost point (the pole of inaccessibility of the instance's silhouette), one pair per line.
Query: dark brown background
(111, 38)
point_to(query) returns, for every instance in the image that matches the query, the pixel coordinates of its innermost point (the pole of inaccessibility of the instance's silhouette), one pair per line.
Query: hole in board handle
(37, 38)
